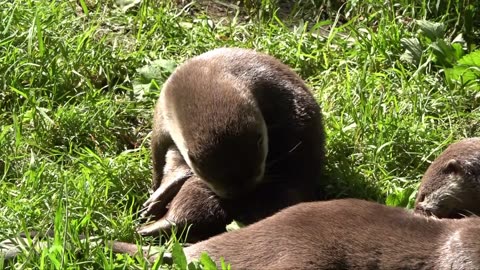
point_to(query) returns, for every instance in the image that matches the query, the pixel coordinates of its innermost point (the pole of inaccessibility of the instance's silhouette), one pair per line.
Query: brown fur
(185, 197)
(175, 173)
(451, 185)
(346, 234)
(196, 205)
(220, 102)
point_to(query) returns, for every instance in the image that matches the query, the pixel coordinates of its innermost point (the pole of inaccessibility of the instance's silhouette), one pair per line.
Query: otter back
(343, 234)
(347, 234)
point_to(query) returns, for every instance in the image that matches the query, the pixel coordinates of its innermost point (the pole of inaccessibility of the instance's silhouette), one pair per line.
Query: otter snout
(436, 210)
(426, 211)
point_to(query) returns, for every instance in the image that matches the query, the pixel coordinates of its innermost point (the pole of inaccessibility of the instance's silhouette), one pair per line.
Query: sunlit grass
(75, 122)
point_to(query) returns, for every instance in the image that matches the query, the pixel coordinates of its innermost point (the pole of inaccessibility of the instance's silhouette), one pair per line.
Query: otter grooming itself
(342, 234)
(247, 127)
(186, 201)
(450, 187)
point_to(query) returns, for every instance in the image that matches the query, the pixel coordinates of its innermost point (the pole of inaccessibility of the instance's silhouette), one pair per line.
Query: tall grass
(76, 105)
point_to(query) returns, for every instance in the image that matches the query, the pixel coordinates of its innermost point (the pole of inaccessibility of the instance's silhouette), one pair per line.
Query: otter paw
(162, 224)
(194, 210)
(156, 205)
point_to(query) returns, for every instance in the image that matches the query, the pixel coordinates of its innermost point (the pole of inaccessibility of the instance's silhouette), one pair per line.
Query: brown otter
(450, 187)
(339, 234)
(343, 234)
(246, 125)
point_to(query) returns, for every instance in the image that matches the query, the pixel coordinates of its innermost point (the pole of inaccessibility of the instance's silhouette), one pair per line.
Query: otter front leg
(160, 144)
(175, 173)
(195, 204)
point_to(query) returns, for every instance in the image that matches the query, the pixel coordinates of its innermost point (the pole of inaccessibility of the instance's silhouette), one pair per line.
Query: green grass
(75, 105)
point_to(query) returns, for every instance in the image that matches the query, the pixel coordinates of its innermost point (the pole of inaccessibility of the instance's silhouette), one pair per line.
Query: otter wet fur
(342, 234)
(245, 124)
(450, 187)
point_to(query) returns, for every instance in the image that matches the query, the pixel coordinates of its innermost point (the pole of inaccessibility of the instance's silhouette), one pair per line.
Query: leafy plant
(466, 72)
(401, 197)
(151, 76)
(430, 45)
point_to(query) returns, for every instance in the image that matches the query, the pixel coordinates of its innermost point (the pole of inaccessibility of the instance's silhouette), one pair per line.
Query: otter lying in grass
(342, 234)
(339, 234)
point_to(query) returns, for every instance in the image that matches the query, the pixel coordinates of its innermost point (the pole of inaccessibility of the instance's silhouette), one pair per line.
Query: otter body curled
(247, 125)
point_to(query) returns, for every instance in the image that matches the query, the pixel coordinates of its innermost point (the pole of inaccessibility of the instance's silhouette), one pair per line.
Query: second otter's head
(450, 187)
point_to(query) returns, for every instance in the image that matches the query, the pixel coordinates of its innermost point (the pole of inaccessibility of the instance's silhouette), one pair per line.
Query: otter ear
(453, 166)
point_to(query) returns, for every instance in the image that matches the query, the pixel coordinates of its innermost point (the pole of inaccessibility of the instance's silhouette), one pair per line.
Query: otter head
(217, 125)
(231, 160)
(223, 134)
(449, 189)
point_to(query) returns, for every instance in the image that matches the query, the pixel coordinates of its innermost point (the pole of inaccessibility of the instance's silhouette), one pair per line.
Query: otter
(246, 126)
(341, 234)
(338, 234)
(450, 188)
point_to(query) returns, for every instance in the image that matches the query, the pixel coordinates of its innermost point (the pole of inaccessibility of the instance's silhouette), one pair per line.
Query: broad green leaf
(467, 71)
(140, 89)
(207, 262)
(458, 50)
(159, 70)
(444, 53)
(179, 256)
(472, 59)
(413, 50)
(467, 76)
(432, 30)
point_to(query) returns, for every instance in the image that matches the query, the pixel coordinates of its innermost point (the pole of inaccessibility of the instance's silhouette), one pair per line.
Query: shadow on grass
(342, 178)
